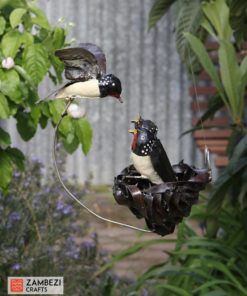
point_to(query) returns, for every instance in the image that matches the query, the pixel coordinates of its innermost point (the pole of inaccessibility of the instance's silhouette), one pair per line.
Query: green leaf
(17, 157)
(5, 169)
(171, 288)
(56, 108)
(71, 143)
(2, 25)
(17, 3)
(226, 271)
(66, 126)
(42, 22)
(12, 108)
(135, 248)
(240, 150)
(4, 107)
(208, 27)
(5, 139)
(206, 62)
(58, 67)
(43, 121)
(36, 62)
(238, 10)
(198, 252)
(237, 164)
(35, 114)
(188, 20)
(225, 180)
(45, 108)
(3, 3)
(231, 78)
(58, 37)
(159, 9)
(218, 14)
(243, 69)
(9, 85)
(40, 18)
(84, 133)
(16, 16)
(216, 292)
(27, 38)
(25, 125)
(215, 104)
(10, 43)
(22, 72)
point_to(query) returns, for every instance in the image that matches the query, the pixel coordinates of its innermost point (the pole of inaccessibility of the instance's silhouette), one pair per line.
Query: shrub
(43, 234)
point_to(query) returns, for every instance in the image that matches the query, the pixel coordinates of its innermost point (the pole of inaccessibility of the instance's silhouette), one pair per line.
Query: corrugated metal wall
(154, 85)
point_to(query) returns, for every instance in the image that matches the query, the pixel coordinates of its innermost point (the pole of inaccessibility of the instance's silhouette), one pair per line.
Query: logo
(16, 285)
(35, 285)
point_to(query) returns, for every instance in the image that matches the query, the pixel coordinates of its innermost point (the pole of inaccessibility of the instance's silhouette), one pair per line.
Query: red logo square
(16, 285)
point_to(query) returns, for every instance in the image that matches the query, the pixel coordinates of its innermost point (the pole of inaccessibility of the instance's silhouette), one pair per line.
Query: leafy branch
(27, 46)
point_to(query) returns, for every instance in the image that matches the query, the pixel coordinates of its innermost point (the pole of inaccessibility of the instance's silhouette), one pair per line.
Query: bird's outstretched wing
(161, 163)
(83, 62)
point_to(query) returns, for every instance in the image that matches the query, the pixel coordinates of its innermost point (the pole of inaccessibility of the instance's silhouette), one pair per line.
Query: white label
(35, 285)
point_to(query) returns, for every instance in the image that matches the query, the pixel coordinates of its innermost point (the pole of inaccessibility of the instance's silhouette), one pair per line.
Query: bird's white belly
(86, 89)
(144, 166)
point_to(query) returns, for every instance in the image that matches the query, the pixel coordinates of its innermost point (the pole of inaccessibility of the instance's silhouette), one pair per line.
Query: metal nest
(162, 206)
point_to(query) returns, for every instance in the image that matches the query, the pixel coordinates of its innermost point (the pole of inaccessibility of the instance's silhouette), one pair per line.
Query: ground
(115, 238)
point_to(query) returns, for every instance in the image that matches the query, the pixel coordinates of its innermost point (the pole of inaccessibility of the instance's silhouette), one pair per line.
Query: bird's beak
(133, 131)
(118, 97)
(136, 120)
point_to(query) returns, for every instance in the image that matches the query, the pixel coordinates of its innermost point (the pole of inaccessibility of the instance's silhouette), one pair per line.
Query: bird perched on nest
(85, 67)
(148, 155)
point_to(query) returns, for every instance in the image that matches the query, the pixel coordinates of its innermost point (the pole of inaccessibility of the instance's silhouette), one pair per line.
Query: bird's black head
(110, 85)
(144, 136)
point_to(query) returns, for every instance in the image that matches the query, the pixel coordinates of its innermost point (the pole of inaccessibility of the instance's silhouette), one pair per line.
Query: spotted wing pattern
(83, 62)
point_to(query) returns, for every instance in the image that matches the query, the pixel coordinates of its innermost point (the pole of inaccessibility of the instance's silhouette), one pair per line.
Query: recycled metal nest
(163, 205)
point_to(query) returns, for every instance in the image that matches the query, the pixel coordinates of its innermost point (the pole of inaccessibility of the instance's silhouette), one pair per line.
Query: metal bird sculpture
(153, 189)
(148, 155)
(85, 68)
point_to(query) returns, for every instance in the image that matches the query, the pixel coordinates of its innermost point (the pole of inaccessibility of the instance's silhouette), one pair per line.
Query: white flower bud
(76, 111)
(8, 63)
(71, 24)
(61, 19)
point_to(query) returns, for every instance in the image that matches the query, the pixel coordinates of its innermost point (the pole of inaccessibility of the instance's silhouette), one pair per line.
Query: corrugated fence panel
(154, 85)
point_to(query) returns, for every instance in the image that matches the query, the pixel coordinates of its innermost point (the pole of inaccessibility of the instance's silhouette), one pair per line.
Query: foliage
(238, 14)
(159, 9)
(232, 81)
(43, 234)
(213, 262)
(188, 20)
(199, 265)
(27, 45)
(232, 181)
(238, 19)
(188, 16)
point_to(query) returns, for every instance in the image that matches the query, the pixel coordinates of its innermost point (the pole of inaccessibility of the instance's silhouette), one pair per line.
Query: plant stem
(33, 218)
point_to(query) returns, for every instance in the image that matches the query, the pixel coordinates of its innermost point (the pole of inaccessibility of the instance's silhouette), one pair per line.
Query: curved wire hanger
(71, 195)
